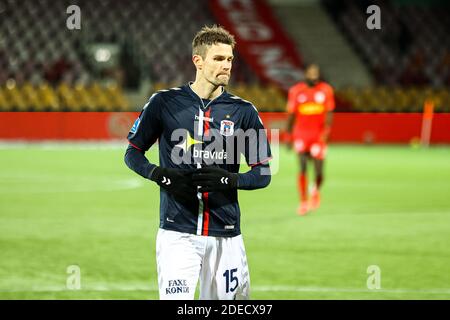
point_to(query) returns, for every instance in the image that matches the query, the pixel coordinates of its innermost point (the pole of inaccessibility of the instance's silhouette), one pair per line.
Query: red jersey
(310, 105)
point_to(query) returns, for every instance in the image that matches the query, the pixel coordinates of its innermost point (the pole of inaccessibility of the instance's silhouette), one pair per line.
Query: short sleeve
(147, 127)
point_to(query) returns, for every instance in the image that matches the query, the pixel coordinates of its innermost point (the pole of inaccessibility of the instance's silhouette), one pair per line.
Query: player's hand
(214, 179)
(177, 182)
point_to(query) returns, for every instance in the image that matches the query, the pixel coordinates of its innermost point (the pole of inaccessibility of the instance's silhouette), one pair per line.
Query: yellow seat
(48, 97)
(4, 103)
(67, 98)
(118, 99)
(86, 101)
(32, 97)
(100, 101)
(13, 94)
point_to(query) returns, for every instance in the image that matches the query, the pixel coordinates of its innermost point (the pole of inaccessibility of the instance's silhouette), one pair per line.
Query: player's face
(216, 67)
(312, 74)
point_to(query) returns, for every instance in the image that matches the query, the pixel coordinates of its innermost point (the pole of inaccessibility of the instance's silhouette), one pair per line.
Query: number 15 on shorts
(231, 281)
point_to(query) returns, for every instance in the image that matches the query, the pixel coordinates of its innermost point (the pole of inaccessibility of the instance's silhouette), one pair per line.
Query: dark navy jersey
(194, 133)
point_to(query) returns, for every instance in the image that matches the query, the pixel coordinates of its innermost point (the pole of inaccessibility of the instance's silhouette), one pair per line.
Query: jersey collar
(197, 97)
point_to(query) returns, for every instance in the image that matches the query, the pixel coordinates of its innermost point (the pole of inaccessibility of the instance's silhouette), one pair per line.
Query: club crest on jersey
(226, 128)
(319, 97)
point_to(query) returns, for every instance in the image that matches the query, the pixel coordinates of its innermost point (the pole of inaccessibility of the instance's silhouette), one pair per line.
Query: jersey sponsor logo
(177, 286)
(311, 108)
(135, 125)
(206, 154)
(226, 128)
(214, 148)
(204, 118)
(188, 142)
(214, 151)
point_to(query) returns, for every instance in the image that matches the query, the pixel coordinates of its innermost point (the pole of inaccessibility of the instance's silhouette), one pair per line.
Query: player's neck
(312, 84)
(205, 89)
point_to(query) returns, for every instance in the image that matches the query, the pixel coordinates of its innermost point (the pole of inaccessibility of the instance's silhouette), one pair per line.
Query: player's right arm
(290, 123)
(291, 102)
(327, 129)
(144, 133)
(146, 130)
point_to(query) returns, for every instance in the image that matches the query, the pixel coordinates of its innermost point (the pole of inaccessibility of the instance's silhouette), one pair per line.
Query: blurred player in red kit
(310, 106)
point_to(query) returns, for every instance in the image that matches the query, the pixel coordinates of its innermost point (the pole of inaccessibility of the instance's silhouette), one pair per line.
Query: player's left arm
(217, 179)
(327, 128)
(257, 155)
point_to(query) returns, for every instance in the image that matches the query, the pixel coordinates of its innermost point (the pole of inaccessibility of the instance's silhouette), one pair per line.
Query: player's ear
(198, 61)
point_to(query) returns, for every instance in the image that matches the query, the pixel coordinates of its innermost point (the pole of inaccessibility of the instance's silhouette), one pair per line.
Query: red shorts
(316, 148)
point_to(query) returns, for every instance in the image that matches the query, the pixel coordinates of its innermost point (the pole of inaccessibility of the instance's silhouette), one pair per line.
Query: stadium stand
(46, 67)
(409, 57)
(412, 47)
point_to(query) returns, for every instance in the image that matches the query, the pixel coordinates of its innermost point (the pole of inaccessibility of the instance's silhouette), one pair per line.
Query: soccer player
(202, 131)
(310, 105)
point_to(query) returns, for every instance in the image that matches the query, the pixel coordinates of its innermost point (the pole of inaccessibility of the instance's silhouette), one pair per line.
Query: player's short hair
(312, 65)
(209, 35)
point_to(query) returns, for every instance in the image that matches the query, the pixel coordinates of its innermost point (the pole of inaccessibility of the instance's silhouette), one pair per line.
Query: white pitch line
(69, 145)
(64, 145)
(78, 186)
(357, 290)
(125, 288)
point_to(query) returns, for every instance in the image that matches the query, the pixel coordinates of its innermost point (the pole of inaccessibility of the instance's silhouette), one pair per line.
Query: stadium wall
(347, 127)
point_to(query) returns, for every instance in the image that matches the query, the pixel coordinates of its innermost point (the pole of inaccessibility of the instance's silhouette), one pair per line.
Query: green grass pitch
(63, 205)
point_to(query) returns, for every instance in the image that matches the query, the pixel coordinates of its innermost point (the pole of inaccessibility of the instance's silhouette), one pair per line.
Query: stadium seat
(413, 40)
(45, 67)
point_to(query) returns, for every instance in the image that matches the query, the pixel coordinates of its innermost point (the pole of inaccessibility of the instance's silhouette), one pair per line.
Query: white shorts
(219, 262)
